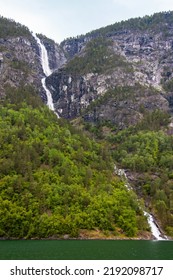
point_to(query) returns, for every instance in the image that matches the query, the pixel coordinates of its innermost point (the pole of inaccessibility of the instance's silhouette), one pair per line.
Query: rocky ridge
(144, 48)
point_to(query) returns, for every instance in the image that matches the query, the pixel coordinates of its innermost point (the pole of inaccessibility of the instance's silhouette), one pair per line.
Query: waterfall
(154, 228)
(47, 71)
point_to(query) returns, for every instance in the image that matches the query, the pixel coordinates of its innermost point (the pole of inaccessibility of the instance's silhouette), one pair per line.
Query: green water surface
(85, 250)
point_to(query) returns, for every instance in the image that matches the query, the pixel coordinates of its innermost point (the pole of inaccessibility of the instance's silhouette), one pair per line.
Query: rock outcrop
(20, 64)
(144, 49)
(56, 53)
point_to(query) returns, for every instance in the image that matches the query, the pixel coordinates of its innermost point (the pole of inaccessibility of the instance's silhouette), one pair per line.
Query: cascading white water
(154, 228)
(47, 71)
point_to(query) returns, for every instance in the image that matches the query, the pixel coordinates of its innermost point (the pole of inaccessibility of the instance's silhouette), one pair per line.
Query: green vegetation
(147, 151)
(20, 65)
(97, 58)
(54, 180)
(46, 39)
(139, 24)
(168, 85)
(122, 93)
(10, 28)
(153, 22)
(128, 104)
(167, 81)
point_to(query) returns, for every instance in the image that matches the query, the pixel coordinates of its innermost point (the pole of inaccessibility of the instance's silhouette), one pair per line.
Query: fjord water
(85, 250)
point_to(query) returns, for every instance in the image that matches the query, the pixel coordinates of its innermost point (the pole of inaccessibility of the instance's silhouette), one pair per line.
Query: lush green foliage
(144, 23)
(9, 28)
(168, 85)
(98, 58)
(54, 180)
(148, 153)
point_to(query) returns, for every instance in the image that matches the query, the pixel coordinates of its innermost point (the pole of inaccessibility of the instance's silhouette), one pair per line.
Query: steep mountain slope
(137, 51)
(19, 57)
(120, 78)
(55, 181)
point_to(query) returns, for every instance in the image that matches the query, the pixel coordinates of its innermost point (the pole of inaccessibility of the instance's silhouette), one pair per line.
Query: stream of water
(151, 221)
(154, 228)
(47, 71)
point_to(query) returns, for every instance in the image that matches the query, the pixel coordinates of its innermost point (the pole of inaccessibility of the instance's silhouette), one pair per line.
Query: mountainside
(20, 57)
(135, 54)
(114, 85)
(55, 181)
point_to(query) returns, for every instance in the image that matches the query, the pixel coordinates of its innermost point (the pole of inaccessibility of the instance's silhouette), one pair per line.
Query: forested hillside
(54, 180)
(145, 151)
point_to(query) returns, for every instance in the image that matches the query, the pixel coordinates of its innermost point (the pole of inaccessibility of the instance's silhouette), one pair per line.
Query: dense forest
(145, 151)
(54, 180)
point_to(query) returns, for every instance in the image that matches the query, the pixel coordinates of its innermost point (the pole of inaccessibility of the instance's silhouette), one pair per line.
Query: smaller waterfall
(48, 94)
(47, 71)
(122, 174)
(154, 228)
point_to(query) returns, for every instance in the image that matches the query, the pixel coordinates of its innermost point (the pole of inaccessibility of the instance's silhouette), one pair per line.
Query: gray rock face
(73, 46)
(70, 93)
(19, 63)
(55, 53)
(125, 107)
(149, 54)
(74, 93)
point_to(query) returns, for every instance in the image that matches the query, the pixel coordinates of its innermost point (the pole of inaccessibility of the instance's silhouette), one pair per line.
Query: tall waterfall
(154, 228)
(46, 70)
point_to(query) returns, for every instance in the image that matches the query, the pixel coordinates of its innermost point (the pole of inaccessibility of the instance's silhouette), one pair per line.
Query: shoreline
(81, 239)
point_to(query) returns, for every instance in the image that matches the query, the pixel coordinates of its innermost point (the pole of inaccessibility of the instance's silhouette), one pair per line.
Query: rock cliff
(56, 53)
(20, 64)
(131, 58)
